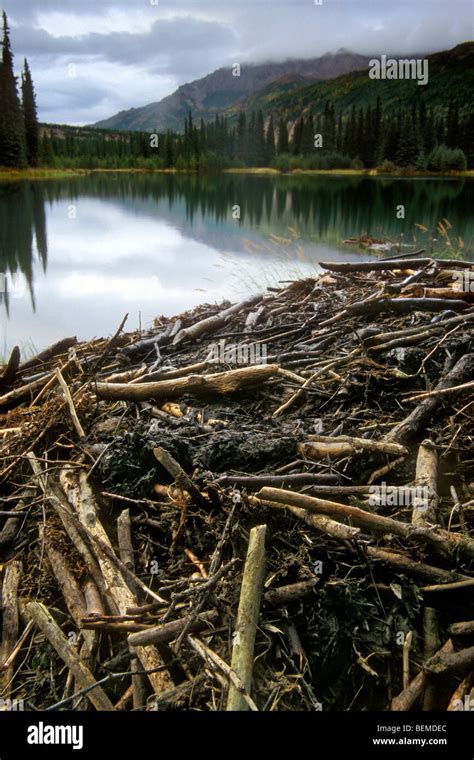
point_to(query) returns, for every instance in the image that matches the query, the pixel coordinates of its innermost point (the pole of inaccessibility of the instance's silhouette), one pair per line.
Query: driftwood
(49, 353)
(424, 507)
(156, 583)
(169, 631)
(321, 447)
(389, 263)
(10, 625)
(219, 383)
(441, 541)
(205, 326)
(45, 621)
(418, 418)
(411, 693)
(450, 663)
(247, 617)
(9, 373)
(124, 535)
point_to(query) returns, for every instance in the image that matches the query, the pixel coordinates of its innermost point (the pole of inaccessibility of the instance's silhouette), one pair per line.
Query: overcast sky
(92, 58)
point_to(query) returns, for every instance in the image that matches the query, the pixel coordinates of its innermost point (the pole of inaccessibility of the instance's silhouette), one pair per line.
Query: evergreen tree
(270, 143)
(297, 136)
(12, 131)
(283, 142)
(30, 116)
(260, 139)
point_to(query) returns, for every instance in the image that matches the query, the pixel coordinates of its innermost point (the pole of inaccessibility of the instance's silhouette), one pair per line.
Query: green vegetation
(19, 130)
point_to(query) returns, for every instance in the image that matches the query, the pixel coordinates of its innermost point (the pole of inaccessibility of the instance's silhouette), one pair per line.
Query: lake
(79, 253)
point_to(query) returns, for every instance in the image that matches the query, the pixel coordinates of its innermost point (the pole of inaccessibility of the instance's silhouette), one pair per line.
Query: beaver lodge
(184, 528)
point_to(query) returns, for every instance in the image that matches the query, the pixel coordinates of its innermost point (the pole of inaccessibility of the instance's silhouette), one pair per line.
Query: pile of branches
(266, 505)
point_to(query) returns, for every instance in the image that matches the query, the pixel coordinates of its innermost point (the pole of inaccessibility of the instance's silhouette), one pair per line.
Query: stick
(10, 623)
(407, 698)
(431, 646)
(320, 447)
(424, 507)
(211, 657)
(219, 383)
(205, 326)
(169, 631)
(247, 617)
(452, 663)
(124, 536)
(44, 620)
(406, 658)
(8, 375)
(441, 541)
(57, 348)
(442, 392)
(418, 418)
(346, 533)
(70, 403)
(183, 481)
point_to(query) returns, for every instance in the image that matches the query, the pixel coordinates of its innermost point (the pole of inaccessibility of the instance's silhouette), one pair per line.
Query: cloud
(132, 52)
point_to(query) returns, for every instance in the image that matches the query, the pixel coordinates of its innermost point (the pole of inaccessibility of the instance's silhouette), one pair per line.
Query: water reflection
(87, 249)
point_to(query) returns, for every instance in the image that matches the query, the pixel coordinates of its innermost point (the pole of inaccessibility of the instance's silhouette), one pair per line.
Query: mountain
(450, 77)
(219, 91)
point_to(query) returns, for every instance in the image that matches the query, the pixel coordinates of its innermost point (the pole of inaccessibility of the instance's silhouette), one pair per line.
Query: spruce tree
(270, 142)
(282, 136)
(30, 116)
(12, 131)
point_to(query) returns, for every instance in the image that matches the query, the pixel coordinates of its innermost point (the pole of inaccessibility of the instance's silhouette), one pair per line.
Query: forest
(392, 139)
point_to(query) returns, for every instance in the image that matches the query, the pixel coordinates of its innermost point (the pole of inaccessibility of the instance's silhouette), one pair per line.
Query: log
(322, 447)
(419, 417)
(374, 307)
(424, 507)
(407, 698)
(49, 353)
(124, 536)
(389, 263)
(254, 482)
(288, 594)
(81, 496)
(450, 663)
(9, 373)
(45, 621)
(182, 480)
(169, 631)
(10, 624)
(219, 383)
(442, 541)
(247, 618)
(462, 629)
(206, 326)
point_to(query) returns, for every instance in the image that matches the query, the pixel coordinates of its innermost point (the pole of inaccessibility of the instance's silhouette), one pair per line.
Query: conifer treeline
(19, 129)
(370, 137)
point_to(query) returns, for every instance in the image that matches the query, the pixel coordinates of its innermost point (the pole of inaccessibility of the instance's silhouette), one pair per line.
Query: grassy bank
(15, 175)
(33, 174)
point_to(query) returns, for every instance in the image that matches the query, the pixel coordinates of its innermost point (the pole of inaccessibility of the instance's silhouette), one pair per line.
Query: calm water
(80, 253)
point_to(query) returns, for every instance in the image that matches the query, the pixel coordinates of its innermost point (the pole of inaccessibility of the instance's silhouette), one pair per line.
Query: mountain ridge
(219, 90)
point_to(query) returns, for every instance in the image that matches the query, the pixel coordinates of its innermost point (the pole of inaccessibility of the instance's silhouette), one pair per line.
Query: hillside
(451, 77)
(219, 91)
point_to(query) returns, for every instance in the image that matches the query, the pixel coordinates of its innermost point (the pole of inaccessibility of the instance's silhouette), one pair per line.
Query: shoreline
(18, 175)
